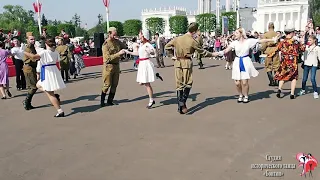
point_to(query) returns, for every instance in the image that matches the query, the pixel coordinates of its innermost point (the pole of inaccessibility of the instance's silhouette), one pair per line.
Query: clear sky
(120, 10)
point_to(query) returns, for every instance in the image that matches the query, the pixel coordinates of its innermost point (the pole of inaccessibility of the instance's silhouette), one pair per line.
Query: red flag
(106, 3)
(37, 7)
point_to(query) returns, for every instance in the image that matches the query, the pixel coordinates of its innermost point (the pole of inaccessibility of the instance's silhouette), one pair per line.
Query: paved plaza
(218, 140)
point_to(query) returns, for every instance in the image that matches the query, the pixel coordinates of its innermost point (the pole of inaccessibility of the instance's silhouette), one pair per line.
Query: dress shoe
(151, 104)
(59, 115)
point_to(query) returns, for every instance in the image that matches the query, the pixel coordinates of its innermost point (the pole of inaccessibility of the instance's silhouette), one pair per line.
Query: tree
(132, 27)
(232, 20)
(117, 25)
(155, 25)
(80, 32)
(68, 28)
(44, 21)
(207, 22)
(76, 20)
(52, 30)
(178, 24)
(15, 17)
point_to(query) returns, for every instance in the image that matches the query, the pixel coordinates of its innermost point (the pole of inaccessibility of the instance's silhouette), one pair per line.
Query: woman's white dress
(146, 71)
(241, 50)
(53, 80)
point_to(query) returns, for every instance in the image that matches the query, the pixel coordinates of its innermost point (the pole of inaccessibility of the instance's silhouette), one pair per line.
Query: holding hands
(122, 51)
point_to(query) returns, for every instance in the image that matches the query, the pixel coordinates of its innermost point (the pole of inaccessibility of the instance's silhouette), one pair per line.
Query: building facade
(281, 13)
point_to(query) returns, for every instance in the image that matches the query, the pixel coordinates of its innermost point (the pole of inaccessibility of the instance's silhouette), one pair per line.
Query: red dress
(290, 50)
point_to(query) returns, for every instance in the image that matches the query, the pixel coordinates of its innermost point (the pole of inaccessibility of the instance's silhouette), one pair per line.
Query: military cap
(193, 27)
(29, 34)
(112, 29)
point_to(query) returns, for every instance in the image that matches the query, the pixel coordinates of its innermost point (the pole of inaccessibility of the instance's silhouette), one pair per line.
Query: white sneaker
(315, 95)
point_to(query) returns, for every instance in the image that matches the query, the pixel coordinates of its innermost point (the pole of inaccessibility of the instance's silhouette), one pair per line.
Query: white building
(282, 13)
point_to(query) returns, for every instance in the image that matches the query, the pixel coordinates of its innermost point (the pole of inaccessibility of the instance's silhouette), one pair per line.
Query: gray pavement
(219, 139)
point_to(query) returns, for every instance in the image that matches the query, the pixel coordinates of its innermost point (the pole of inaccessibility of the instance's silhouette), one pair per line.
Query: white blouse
(312, 55)
(243, 48)
(145, 50)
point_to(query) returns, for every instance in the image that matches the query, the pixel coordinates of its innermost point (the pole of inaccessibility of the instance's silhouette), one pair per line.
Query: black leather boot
(186, 93)
(276, 82)
(110, 99)
(27, 102)
(179, 100)
(201, 65)
(270, 77)
(103, 97)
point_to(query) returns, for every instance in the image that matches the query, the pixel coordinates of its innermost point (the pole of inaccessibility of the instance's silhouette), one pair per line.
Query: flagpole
(39, 20)
(107, 18)
(238, 14)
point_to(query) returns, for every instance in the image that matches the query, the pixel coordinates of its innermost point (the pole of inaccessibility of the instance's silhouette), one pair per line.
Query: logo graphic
(307, 162)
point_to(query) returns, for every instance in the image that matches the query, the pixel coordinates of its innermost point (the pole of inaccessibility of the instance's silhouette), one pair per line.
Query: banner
(225, 25)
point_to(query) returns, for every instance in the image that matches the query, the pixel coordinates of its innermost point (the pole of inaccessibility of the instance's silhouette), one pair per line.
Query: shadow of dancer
(216, 100)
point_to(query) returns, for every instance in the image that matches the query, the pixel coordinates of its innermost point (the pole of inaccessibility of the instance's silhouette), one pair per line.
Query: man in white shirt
(17, 52)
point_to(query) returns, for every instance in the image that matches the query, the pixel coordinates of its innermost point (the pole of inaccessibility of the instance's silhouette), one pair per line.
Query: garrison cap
(112, 29)
(193, 27)
(29, 34)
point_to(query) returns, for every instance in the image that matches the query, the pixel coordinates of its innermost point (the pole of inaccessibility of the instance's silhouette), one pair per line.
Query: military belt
(178, 58)
(113, 63)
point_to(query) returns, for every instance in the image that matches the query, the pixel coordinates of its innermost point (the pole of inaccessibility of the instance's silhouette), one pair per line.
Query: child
(311, 63)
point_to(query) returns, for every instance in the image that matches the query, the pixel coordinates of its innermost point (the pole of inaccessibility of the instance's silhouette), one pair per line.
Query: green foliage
(52, 31)
(178, 24)
(232, 20)
(44, 21)
(316, 19)
(116, 24)
(68, 28)
(207, 22)
(76, 20)
(132, 27)
(155, 25)
(80, 31)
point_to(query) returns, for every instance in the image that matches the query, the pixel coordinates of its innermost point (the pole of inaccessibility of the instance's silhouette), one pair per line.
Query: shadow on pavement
(216, 100)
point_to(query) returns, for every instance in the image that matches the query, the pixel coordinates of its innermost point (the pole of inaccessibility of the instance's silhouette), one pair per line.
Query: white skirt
(53, 80)
(249, 67)
(146, 72)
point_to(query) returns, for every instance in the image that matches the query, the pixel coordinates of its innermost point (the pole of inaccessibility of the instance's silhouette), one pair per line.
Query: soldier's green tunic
(111, 67)
(185, 46)
(65, 56)
(29, 69)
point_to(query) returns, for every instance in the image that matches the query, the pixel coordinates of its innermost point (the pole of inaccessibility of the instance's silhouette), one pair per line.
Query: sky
(120, 10)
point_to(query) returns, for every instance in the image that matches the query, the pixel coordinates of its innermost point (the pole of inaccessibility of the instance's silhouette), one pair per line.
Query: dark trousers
(306, 71)
(20, 78)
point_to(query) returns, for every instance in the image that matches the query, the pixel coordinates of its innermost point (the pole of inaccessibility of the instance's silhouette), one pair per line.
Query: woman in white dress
(50, 76)
(146, 72)
(242, 68)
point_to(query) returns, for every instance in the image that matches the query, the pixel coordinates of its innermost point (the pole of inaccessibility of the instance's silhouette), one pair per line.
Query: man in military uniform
(185, 46)
(271, 63)
(65, 56)
(29, 70)
(200, 41)
(112, 50)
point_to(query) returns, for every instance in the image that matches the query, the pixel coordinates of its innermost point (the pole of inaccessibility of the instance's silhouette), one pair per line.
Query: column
(218, 13)
(276, 23)
(284, 21)
(299, 20)
(269, 18)
(227, 5)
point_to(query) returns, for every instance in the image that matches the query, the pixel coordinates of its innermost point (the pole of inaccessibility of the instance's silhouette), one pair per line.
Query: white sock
(60, 111)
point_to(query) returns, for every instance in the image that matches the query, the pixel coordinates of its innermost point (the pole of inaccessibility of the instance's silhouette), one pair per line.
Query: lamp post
(37, 9)
(238, 14)
(107, 4)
